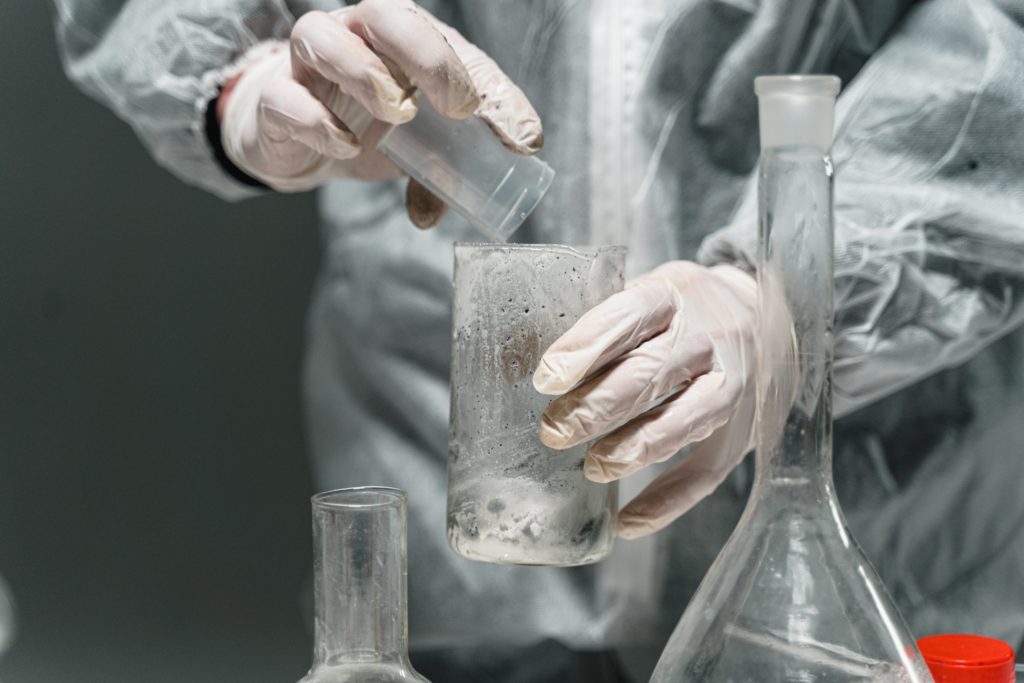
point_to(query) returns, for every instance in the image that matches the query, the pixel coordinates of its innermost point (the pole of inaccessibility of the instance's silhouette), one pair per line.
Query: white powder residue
(521, 521)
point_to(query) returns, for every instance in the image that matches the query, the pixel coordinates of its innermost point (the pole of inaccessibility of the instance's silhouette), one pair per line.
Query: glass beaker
(791, 597)
(359, 573)
(511, 499)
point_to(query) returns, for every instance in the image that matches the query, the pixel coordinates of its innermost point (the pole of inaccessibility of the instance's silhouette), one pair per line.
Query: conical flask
(359, 566)
(791, 597)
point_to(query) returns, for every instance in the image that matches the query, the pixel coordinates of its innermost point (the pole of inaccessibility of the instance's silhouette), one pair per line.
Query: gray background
(153, 483)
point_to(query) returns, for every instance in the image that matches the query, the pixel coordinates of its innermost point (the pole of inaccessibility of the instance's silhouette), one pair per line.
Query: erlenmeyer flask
(361, 631)
(791, 597)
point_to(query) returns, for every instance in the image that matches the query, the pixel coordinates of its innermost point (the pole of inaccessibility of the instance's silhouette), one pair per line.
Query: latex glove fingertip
(552, 434)
(391, 103)
(404, 112)
(632, 527)
(595, 472)
(523, 135)
(341, 143)
(548, 379)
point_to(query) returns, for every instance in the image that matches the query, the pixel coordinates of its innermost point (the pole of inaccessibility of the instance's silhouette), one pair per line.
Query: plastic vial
(463, 162)
(791, 597)
(359, 567)
(511, 499)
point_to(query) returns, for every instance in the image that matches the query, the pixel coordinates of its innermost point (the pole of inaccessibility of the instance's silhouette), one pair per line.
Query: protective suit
(650, 121)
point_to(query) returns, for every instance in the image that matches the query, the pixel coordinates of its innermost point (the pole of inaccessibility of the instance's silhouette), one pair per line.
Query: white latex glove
(681, 330)
(282, 119)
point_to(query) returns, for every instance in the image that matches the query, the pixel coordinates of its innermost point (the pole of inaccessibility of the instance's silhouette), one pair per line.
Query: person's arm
(159, 65)
(240, 95)
(929, 199)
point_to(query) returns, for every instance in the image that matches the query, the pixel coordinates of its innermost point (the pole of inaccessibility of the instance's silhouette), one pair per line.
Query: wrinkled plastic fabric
(650, 122)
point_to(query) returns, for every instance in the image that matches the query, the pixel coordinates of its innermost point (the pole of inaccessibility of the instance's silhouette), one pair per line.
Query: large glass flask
(361, 632)
(511, 499)
(791, 597)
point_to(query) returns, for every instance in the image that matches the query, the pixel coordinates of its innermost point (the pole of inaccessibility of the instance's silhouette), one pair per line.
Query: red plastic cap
(963, 658)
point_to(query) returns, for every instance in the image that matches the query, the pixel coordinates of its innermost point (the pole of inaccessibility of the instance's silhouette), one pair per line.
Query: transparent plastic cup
(464, 163)
(511, 499)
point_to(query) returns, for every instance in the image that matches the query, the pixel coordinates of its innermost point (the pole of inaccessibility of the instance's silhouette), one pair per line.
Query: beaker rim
(360, 497)
(792, 84)
(582, 250)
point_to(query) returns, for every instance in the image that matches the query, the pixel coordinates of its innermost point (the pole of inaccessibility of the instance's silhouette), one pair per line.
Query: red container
(963, 658)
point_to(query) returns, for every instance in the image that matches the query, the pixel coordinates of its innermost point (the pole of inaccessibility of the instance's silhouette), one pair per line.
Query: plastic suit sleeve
(929, 200)
(158, 64)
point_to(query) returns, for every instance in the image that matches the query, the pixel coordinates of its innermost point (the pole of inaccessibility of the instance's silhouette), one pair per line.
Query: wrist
(225, 94)
(214, 116)
(217, 108)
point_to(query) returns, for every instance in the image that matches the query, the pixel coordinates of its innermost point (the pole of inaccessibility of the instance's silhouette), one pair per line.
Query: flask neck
(795, 277)
(359, 566)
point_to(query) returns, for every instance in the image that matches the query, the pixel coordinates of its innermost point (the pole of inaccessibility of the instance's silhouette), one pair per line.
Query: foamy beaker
(511, 499)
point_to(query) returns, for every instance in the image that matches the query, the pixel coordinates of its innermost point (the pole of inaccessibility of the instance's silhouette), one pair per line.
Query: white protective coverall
(650, 121)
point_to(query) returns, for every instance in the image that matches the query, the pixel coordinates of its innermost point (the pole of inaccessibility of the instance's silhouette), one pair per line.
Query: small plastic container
(965, 658)
(464, 163)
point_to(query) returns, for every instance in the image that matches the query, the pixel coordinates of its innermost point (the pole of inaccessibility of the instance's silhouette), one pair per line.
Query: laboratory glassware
(359, 571)
(791, 597)
(511, 499)
(463, 162)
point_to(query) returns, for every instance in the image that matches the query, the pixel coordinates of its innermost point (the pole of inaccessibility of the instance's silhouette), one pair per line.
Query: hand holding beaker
(511, 499)
(667, 363)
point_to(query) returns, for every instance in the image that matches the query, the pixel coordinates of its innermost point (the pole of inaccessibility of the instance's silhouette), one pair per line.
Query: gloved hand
(682, 331)
(282, 119)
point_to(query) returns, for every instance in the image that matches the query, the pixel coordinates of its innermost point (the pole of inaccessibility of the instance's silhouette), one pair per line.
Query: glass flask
(361, 630)
(791, 597)
(511, 499)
